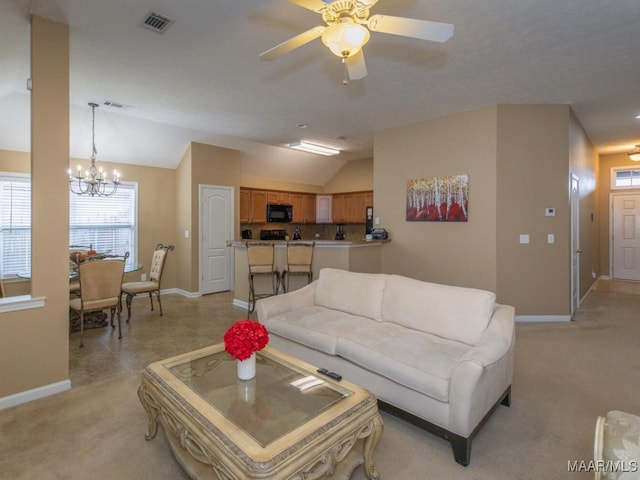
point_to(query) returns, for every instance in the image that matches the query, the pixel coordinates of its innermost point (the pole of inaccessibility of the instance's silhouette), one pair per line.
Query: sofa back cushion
(454, 313)
(351, 292)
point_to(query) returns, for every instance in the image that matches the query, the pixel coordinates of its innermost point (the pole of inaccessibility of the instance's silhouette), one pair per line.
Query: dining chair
(100, 286)
(261, 262)
(151, 286)
(299, 262)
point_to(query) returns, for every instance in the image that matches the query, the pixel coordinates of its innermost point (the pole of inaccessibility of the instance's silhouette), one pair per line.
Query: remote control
(336, 376)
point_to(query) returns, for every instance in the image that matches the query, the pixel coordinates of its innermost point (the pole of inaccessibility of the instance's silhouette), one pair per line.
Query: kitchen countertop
(318, 243)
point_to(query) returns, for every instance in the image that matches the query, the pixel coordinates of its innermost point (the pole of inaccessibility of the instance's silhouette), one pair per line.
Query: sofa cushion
(356, 293)
(417, 360)
(316, 327)
(455, 313)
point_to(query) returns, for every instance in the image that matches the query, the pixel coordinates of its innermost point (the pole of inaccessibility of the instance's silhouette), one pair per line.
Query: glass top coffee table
(288, 422)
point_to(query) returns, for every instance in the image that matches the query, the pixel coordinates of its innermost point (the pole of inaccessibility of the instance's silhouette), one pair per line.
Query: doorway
(575, 243)
(216, 233)
(625, 236)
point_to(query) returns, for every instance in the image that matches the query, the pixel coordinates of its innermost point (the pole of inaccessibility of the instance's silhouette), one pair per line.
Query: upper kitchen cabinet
(324, 210)
(253, 206)
(284, 198)
(304, 207)
(351, 207)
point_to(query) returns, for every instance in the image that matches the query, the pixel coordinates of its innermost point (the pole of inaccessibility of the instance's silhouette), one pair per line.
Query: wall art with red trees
(438, 199)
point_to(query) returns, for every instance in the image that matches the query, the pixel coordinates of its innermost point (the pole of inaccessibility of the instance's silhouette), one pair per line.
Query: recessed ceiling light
(314, 148)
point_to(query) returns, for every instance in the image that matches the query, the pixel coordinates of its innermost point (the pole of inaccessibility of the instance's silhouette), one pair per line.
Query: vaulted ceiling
(202, 80)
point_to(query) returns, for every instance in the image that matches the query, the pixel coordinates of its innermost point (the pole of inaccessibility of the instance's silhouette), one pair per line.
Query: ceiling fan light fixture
(345, 38)
(313, 148)
(634, 155)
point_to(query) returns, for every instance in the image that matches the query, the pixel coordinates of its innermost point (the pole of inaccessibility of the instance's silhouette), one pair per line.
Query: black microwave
(279, 213)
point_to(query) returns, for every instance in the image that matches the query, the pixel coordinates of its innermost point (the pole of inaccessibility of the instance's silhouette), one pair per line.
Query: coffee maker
(340, 232)
(368, 220)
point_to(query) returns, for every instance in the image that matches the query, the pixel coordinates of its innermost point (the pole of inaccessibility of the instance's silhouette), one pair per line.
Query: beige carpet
(566, 375)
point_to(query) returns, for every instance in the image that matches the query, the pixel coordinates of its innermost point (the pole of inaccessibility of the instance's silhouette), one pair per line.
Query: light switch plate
(524, 238)
(551, 238)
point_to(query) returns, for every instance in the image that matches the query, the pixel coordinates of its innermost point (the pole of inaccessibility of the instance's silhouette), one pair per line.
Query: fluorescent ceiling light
(313, 148)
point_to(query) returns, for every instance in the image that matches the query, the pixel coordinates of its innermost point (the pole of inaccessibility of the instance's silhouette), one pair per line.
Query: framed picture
(438, 199)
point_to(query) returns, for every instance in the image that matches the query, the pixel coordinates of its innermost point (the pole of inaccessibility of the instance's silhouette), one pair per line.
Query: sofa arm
(278, 304)
(496, 340)
(484, 373)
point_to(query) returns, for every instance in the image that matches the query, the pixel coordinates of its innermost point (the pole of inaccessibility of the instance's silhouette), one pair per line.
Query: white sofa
(440, 356)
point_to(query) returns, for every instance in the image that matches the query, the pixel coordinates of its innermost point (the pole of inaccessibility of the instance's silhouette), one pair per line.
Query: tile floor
(187, 324)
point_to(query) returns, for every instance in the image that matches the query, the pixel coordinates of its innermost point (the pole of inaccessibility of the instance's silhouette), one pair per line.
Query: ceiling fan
(347, 30)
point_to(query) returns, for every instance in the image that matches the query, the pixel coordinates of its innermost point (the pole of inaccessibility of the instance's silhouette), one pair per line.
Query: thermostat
(550, 212)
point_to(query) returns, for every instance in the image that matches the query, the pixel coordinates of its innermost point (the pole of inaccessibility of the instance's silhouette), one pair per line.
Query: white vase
(247, 368)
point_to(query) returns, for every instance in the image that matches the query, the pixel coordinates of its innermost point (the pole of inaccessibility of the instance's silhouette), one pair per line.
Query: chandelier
(93, 183)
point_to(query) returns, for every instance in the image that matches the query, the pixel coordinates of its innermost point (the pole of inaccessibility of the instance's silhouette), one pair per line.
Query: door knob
(578, 250)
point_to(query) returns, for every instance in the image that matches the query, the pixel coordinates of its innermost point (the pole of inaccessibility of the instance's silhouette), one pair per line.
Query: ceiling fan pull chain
(345, 80)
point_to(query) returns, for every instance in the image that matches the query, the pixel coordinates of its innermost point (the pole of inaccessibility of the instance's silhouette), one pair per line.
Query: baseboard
(240, 303)
(543, 318)
(34, 394)
(179, 291)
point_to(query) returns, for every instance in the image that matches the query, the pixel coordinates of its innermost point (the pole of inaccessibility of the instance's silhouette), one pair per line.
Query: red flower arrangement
(244, 338)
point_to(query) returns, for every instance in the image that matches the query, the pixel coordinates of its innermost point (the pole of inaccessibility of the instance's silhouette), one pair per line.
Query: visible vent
(109, 103)
(156, 22)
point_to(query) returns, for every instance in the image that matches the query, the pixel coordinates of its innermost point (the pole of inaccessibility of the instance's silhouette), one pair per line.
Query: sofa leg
(506, 401)
(461, 449)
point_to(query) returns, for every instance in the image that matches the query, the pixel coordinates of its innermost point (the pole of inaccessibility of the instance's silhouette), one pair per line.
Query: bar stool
(299, 260)
(261, 262)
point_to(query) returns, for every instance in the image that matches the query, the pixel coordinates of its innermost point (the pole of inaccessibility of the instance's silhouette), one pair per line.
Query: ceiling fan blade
(293, 43)
(356, 66)
(315, 5)
(410, 27)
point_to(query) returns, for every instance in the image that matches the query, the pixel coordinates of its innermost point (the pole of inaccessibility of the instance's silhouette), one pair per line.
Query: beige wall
(355, 176)
(183, 251)
(34, 345)
(202, 165)
(607, 162)
(518, 158)
(533, 172)
(156, 213)
(248, 181)
(584, 163)
(19, 162)
(451, 253)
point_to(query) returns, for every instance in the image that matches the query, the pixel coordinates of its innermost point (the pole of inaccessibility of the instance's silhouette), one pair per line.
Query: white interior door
(216, 233)
(626, 236)
(575, 243)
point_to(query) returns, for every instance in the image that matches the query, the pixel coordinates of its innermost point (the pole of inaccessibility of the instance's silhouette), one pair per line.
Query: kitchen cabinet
(309, 208)
(283, 198)
(351, 207)
(324, 208)
(304, 207)
(339, 208)
(253, 206)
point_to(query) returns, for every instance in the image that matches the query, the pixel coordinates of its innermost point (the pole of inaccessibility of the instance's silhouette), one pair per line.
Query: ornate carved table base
(210, 448)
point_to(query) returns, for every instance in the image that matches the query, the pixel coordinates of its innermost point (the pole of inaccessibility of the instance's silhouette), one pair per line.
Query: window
(625, 178)
(108, 224)
(15, 223)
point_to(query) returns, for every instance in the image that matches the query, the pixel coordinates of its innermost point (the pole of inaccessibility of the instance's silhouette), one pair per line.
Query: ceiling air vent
(156, 22)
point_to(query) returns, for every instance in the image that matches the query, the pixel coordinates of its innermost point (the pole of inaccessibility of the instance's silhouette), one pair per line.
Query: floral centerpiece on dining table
(242, 340)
